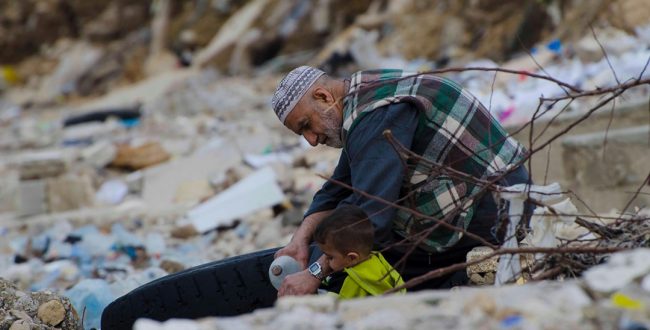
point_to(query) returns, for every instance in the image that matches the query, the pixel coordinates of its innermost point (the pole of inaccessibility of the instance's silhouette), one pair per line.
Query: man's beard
(332, 127)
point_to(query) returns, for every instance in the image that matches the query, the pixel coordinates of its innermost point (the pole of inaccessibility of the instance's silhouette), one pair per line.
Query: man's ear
(352, 256)
(322, 94)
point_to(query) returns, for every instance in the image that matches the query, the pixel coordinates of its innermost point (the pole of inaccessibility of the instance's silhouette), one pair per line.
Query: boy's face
(337, 260)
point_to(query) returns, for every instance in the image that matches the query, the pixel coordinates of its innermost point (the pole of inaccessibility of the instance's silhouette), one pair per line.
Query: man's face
(317, 122)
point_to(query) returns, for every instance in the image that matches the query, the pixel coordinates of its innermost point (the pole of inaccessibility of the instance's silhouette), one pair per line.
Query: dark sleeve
(374, 165)
(329, 196)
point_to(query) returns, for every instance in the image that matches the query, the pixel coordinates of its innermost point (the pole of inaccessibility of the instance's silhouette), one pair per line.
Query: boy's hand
(299, 284)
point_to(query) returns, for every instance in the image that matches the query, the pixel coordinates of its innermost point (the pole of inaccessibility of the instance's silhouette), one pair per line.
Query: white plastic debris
(509, 265)
(255, 192)
(546, 226)
(112, 192)
(621, 269)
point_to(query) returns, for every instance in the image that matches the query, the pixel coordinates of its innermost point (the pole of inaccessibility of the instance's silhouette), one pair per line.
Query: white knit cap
(292, 88)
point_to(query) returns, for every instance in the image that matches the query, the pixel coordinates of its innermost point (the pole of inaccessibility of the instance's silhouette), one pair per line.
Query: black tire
(226, 287)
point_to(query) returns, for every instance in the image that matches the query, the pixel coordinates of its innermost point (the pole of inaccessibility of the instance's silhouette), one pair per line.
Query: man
(460, 144)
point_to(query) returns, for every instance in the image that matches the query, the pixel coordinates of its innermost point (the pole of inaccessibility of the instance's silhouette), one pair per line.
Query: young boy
(346, 238)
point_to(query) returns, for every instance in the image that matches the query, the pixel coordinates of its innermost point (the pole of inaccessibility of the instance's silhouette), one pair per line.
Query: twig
(522, 250)
(604, 54)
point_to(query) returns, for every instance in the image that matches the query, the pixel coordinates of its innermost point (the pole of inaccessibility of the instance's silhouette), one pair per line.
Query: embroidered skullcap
(291, 89)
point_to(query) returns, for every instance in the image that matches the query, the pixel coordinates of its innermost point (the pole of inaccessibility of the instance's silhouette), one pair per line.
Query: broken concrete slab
(143, 92)
(32, 198)
(193, 191)
(35, 310)
(9, 190)
(257, 191)
(609, 158)
(69, 192)
(140, 156)
(231, 31)
(99, 154)
(40, 164)
(88, 133)
(162, 182)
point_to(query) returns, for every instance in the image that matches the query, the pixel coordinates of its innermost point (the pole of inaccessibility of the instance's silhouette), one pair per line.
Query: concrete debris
(10, 190)
(482, 273)
(139, 157)
(258, 190)
(187, 179)
(32, 197)
(36, 310)
(128, 153)
(40, 164)
(609, 166)
(540, 305)
(99, 154)
(232, 30)
(69, 192)
(112, 192)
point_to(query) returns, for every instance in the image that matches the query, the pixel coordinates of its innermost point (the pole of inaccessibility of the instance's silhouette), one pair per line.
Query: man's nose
(311, 138)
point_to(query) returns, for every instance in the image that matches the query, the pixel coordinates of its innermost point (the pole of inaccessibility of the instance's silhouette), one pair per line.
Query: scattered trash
(139, 157)
(118, 167)
(111, 192)
(124, 115)
(258, 190)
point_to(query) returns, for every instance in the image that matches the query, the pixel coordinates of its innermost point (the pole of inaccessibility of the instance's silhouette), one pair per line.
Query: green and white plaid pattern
(455, 131)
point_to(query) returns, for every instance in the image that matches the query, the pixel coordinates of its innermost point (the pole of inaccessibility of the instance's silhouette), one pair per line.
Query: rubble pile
(561, 226)
(137, 141)
(111, 205)
(614, 295)
(36, 310)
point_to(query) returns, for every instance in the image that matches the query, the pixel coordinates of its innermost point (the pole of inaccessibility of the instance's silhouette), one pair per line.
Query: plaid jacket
(454, 130)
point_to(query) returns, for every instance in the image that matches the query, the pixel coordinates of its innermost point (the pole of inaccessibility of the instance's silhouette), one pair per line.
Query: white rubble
(542, 305)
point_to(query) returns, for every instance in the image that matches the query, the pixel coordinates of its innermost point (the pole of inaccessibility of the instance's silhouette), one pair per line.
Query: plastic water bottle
(280, 268)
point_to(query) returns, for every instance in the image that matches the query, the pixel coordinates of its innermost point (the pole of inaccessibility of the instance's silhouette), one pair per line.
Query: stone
(9, 190)
(36, 310)
(21, 315)
(88, 133)
(193, 191)
(99, 154)
(40, 164)
(32, 198)
(628, 14)
(52, 312)
(319, 303)
(267, 235)
(255, 192)
(139, 157)
(21, 325)
(69, 192)
(489, 265)
(589, 161)
(165, 183)
(184, 232)
(477, 279)
(171, 266)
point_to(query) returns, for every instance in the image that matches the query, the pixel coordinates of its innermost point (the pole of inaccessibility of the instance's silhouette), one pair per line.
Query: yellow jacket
(368, 278)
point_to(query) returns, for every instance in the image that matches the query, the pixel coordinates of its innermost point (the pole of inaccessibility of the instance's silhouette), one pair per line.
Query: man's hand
(297, 250)
(299, 284)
